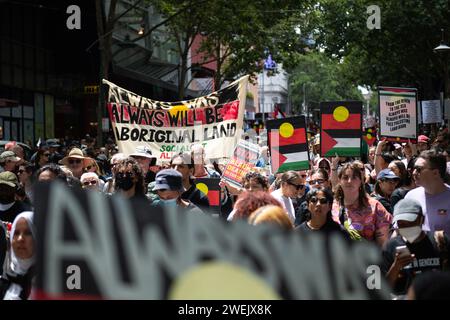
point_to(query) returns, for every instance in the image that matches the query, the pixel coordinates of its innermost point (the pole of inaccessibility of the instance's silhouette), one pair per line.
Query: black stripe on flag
(352, 106)
(344, 133)
(297, 122)
(293, 148)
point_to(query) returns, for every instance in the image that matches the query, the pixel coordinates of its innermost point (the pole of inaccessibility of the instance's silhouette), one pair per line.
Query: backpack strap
(441, 242)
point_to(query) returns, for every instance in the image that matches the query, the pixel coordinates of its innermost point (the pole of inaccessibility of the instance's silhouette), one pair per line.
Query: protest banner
(398, 114)
(167, 128)
(431, 111)
(340, 128)
(288, 144)
(98, 247)
(211, 188)
(244, 159)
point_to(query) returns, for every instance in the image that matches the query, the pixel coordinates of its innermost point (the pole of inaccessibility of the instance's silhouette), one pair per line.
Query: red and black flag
(340, 128)
(288, 144)
(210, 187)
(369, 136)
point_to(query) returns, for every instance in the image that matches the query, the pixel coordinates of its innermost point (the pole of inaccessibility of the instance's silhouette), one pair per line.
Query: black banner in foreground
(96, 247)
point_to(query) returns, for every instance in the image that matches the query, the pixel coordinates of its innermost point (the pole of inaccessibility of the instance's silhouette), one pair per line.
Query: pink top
(367, 221)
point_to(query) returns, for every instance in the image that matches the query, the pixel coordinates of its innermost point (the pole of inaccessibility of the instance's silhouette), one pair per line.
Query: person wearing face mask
(9, 206)
(18, 269)
(129, 180)
(412, 251)
(169, 186)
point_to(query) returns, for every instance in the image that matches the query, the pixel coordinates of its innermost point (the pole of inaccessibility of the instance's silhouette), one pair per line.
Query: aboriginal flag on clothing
(288, 144)
(340, 128)
(211, 188)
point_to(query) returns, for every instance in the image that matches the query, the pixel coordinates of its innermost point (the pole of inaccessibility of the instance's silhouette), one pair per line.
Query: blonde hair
(271, 214)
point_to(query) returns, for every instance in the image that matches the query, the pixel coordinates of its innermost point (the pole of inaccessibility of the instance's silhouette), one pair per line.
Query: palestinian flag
(210, 187)
(288, 144)
(340, 128)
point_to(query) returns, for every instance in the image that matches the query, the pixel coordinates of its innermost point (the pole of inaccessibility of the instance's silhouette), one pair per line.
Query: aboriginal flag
(340, 128)
(288, 144)
(369, 136)
(210, 187)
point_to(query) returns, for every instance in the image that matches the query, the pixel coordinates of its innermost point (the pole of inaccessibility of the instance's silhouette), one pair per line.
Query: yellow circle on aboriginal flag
(220, 281)
(341, 114)
(202, 187)
(286, 130)
(369, 136)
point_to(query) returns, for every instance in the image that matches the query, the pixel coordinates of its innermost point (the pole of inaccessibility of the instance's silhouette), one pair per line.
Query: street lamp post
(443, 49)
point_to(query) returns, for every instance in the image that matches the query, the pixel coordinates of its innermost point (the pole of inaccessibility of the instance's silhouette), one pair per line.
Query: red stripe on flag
(297, 137)
(353, 122)
(214, 198)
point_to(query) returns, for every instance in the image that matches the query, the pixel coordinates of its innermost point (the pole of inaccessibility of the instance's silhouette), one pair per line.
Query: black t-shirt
(10, 214)
(329, 227)
(428, 257)
(197, 197)
(398, 195)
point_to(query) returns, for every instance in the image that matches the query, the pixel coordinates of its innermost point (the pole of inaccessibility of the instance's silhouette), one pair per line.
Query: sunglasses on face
(89, 167)
(321, 200)
(419, 168)
(318, 181)
(20, 171)
(92, 182)
(393, 181)
(297, 186)
(72, 161)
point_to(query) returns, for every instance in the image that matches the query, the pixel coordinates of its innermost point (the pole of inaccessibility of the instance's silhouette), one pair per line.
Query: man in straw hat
(76, 161)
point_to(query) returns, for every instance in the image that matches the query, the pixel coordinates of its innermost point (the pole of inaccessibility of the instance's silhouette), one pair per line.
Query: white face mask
(411, 233)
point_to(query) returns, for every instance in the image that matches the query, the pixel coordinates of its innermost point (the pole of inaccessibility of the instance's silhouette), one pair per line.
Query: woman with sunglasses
(320, 201)
(319, 178)
(93, 167)
(25, 175)
(90, 181)
(41, 159)
(292, 186)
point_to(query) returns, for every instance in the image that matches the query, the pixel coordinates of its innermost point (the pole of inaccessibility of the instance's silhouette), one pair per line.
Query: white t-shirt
(436, 208)
(286, 202)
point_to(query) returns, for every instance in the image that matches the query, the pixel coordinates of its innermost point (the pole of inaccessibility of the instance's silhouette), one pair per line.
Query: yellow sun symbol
(286, 130)
(202, 187)
(341, 114)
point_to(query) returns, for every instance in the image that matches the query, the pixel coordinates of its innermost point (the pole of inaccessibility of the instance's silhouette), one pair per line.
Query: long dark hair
(136, 168)
(363, 200)
(328, 195)
(405, 177)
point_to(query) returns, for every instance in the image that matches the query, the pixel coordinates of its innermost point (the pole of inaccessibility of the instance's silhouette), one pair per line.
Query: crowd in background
(397, 196)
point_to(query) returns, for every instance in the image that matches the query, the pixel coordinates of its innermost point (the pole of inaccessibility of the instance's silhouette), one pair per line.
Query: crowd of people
(396, 196)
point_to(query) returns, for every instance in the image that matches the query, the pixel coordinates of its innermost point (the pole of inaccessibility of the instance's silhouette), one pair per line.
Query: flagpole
(262, 98)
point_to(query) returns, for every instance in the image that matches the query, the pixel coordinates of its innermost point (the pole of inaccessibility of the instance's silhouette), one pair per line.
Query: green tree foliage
(236, 33)
(398, 54)
(319, 78)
